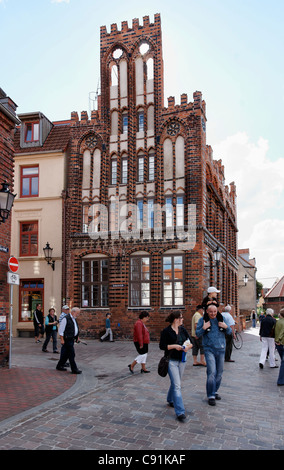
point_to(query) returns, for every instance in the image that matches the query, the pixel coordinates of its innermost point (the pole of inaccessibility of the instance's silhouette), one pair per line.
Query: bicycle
(237, 340)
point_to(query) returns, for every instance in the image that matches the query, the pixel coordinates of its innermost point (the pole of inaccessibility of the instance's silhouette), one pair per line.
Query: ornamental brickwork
(139, 175)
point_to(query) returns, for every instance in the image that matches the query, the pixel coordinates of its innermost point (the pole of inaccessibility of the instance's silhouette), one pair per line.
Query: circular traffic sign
(13, 264)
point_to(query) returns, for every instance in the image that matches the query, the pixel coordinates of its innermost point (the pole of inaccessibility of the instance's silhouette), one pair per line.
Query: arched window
(150, 69)
(168, 160)
(86, 169)
(114, 75)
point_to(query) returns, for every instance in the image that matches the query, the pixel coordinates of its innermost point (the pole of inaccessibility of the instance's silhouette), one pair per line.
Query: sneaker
(181, 417)
(261, 365)
(217, 397)
(211, 401)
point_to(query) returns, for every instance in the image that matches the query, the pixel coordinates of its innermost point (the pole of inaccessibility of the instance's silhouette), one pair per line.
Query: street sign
(13, 278)
(13, 264)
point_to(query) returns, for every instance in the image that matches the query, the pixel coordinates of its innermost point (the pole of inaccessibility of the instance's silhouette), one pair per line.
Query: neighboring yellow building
(41, 153)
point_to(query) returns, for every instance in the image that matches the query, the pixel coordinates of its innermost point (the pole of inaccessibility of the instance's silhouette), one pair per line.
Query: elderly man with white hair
(229, 338)
(266, 333)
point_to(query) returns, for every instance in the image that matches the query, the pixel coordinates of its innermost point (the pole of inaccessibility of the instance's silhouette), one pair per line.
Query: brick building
(146, 203)
(8, 120)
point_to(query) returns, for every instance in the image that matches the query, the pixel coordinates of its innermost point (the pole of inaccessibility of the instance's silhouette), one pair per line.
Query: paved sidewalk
(107, 408)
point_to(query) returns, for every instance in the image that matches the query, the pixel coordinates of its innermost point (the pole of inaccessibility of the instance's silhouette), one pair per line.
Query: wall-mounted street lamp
(245, 279)
(217, 258)
(48, 255)
(217, 255)
(6, 202)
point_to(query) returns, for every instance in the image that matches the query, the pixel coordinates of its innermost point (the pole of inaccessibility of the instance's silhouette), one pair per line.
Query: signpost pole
(10, 325)
(12, 279)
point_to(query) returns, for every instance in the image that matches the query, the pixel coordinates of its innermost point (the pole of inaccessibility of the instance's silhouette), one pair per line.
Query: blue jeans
(175, 371)
(215, 364)
(280, 349)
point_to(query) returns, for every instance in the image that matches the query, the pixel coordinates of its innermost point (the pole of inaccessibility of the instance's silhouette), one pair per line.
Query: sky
(230, 50)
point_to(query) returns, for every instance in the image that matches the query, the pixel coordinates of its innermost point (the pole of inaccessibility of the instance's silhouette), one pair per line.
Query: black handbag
(163, 366)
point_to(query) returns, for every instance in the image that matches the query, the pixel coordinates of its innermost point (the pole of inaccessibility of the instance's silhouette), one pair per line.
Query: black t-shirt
(169, 336)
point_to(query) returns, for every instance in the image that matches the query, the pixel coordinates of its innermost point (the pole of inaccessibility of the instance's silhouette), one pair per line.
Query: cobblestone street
(106, 408)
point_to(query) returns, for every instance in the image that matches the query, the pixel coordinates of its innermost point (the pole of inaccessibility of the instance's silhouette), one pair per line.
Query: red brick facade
(7, 124)
(111, 162)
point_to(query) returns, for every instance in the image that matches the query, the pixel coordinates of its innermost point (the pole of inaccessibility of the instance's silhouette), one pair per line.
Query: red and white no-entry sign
(13, 264)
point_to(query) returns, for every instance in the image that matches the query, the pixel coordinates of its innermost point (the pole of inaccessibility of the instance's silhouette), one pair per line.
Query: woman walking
(141, 340)
(172, 342)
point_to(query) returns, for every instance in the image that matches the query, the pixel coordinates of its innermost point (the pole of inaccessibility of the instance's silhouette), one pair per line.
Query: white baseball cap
(65, 307)
(212, 289)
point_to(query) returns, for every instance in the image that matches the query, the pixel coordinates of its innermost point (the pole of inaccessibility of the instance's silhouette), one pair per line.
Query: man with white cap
(266, 333)
(65, 311)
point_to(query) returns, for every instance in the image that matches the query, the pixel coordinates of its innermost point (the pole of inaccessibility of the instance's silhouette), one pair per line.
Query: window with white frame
(124, 170)
(94, 282)
(113, 171)
(139, 214)
(169, 212)
(140, 168)
(124, 123)
(173, 280)
(139, 281)
(140, 120)
(151, 167)
(180, 211)
(150, 213)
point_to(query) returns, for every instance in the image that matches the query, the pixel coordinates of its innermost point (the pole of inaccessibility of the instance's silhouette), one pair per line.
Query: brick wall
(203, 186)
(6, 175)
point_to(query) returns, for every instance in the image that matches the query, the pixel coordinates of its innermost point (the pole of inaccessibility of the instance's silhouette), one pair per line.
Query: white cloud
(260, 199)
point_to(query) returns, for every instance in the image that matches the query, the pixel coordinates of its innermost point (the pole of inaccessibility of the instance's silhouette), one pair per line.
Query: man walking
(108, 329)
(229, 337)
(69, 332)
(266, 333)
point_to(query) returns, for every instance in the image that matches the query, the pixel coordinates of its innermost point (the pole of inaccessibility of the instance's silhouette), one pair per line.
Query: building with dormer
(41, 157)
